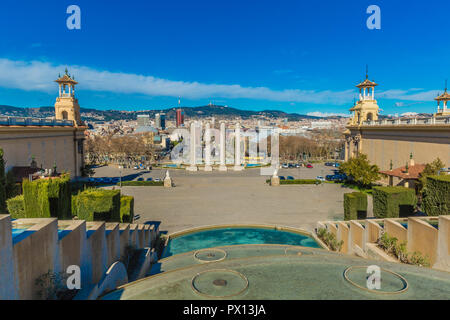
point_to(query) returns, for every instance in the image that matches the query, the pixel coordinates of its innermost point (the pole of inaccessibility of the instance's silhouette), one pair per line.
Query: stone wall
(429, 236)
(53, 245)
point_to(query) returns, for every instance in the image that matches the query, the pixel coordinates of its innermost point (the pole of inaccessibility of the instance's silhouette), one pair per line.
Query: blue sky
(295, 56)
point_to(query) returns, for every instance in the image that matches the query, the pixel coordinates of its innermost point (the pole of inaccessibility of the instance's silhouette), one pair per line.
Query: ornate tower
(366, 109)
(66, 106)
(445, 97)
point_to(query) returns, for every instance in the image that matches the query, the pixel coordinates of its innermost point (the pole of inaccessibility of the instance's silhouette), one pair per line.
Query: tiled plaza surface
(207, 198)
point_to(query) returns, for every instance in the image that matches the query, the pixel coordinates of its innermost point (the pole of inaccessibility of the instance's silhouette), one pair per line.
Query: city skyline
(305, 70)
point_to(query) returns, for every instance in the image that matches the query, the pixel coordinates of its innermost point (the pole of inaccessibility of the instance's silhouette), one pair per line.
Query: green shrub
(16, 207)
(45, 198)
(141, 183)
(436, 195)
(126, 209)
(393, 202)
(398, 250)
(301, 181)
(97, 205)
(329, 239)
(355, 206)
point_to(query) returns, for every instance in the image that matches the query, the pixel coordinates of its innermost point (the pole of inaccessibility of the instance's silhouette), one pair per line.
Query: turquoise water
(253, 165)
(233, 236)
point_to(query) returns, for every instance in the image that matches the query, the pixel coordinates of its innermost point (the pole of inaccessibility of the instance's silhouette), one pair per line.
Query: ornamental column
(208, 166)
(222, 166)
(193, 164)
(237, 148)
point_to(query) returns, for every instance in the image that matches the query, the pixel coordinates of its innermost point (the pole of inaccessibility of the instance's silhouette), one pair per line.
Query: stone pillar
(223, 137)
(237, 148)
(193, 165)
(208, 166)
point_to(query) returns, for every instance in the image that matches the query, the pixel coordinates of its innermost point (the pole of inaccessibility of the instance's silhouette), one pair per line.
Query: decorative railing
(25, 121)
(409, 121)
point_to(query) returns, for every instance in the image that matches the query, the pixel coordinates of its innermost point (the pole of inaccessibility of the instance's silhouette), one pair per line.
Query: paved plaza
(206, 198)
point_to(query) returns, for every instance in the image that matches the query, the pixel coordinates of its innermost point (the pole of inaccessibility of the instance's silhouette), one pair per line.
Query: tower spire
(367, 71)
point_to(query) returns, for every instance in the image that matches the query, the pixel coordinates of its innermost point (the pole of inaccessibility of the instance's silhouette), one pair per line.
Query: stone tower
(66, 106)
(444, 98)
(366, 109)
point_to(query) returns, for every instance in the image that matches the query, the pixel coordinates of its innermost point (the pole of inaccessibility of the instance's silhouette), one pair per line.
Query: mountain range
(96, 115)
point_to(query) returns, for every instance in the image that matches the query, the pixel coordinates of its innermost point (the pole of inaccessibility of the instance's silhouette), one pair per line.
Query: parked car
(291, 165)
(149, 179)
(336, 177)
(140, 179)
(297, 165)
(157, 180)
(282, 178)
(320, 178)
(336, 165)
(115, 180)
(329, 164)
(91, 179)
(135, 168)
(309, 165)
(290, 178)
(285, 165)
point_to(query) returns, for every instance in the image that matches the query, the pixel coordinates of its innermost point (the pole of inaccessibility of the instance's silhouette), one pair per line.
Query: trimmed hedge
(45, 198)
(355, 206)
(141, 183)
(301, 181)
(126, 209)
(436, 195)
(16, 207)
(97, 205)
(393, 202)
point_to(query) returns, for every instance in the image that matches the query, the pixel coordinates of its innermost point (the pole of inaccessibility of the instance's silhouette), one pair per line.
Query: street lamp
(120, 179)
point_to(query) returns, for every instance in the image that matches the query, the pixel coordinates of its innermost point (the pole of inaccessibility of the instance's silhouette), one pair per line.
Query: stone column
(237, 148)
(208, 166)
(193, 165)
(223, 137)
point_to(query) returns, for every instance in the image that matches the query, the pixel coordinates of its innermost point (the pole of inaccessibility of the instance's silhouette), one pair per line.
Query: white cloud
(39, 76)
(406, 114)
(326, 114)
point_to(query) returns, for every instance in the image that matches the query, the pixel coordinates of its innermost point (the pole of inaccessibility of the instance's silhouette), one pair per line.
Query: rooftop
(413, 172)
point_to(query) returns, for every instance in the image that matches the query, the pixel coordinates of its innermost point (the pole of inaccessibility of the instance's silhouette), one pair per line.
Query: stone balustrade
(430, 236)
(29, 248)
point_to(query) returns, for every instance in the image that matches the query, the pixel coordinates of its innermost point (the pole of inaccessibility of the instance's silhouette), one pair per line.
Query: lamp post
(120, 179)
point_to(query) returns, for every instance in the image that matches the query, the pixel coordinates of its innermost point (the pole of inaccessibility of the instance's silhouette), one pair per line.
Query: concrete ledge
(423, 238)
(395, 229)
(124, 236)
(8, 287)
(343, 232)
(443, 250)
(357, 235)
(113, 242)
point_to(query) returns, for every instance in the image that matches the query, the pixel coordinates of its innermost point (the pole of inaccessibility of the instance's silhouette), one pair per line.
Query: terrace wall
(420, 236)
(42, 249)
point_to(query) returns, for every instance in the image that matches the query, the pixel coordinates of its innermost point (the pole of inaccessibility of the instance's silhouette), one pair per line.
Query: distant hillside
(190, 112)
